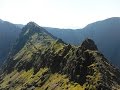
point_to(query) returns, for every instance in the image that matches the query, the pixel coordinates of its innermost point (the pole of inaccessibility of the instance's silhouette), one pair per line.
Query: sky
(58, 13)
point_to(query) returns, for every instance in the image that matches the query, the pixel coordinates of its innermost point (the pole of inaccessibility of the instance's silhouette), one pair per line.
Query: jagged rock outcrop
(89, 44)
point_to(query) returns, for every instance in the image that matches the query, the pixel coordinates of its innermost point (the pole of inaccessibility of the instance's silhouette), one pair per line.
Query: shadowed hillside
(8, 35)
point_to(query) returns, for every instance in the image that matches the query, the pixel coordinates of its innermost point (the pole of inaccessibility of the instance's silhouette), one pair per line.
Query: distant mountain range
(105, 33)
(40, 61)
(8, 34)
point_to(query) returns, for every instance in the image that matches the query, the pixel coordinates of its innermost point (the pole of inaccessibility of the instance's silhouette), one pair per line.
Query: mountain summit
(38, 61)
(89, 44)
(1, 21)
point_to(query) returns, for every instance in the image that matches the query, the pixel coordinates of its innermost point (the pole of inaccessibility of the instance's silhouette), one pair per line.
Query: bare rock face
(89, 44)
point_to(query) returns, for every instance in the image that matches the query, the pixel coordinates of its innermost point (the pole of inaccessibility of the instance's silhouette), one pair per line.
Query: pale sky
(58, 13)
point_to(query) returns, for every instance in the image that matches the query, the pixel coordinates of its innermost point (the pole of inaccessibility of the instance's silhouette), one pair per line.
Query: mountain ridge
(44, 62)
(108, 44)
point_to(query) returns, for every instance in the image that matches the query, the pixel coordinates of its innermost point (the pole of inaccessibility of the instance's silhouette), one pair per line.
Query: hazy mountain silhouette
(8, 34)
(105, 33)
